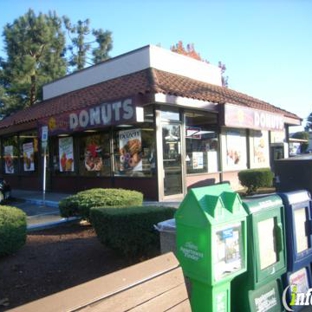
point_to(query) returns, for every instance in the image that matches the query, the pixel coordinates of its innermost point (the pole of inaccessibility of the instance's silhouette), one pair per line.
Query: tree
(34, 46)
(302, 135)
(308, 126)
(105, 45)
(80, 45)
(190, 51)
(37, 54)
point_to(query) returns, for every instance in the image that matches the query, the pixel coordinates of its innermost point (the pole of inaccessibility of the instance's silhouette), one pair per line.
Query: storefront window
(28, 146)
(169, 115)
(94, 157)
(134, 152)
(202, 145)
(10, 155)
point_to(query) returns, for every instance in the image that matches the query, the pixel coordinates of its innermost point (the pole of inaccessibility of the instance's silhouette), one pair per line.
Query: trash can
(167, 234)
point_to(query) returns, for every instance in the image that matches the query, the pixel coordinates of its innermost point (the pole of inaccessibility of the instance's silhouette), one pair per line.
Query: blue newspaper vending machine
(297, 279)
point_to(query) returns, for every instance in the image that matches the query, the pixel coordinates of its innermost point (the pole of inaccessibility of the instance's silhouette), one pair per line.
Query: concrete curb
(51, 224)
(40, 202)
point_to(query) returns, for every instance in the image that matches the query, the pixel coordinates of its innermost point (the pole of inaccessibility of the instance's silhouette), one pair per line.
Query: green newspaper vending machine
(211, 244)
(260, 287)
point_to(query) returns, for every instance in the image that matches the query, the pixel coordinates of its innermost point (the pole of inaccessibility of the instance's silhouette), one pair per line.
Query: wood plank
(184, 306)
(165, 301)
(97, 289)
(139, 294)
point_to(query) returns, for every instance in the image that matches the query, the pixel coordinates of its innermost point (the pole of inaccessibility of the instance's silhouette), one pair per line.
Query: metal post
(44, 174)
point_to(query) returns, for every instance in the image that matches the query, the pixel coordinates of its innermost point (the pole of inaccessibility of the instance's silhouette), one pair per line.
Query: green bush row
(130, 231)
(255, 178)
(12, 230)
(81, 203)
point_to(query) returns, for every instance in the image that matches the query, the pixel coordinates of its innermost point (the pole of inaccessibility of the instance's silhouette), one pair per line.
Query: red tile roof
(148, 81)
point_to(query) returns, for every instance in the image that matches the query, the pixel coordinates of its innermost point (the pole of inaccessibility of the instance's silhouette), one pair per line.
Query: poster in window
(130, 148)
(93, 155)
(28, 156)
(260, 148)
(198, 160)
(8, 159)
(234, 149)
(66, 152)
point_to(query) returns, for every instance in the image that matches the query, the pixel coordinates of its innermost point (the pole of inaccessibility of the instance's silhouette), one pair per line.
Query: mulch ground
(53, 260)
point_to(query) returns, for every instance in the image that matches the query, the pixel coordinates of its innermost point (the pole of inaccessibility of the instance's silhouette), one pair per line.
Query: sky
(266, 45)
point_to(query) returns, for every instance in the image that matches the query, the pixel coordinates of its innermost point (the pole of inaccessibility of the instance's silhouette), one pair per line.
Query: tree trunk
(32, 96)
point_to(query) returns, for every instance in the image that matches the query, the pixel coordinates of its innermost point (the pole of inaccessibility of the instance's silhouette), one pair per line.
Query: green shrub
(255, 178)
(130, 231)
(13, 229)
(80, 203)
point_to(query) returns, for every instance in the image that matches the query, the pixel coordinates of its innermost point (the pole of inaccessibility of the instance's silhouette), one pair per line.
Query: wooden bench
(154, 285)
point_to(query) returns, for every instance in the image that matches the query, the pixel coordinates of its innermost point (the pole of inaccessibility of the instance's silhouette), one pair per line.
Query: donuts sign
(99, 116)
(104, 114)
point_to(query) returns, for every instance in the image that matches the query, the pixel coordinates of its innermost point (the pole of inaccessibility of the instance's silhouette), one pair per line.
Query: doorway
(171, 160)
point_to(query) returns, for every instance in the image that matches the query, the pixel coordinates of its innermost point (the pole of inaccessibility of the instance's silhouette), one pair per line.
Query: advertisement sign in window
(28, 156)
(93, 157)
(235, 148)
(66, 152)
(198, 160)
(8, 159)
(130, 149)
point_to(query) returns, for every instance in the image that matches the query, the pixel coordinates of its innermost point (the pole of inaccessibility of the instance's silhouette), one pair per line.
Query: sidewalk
(48, 199)
(42, 209)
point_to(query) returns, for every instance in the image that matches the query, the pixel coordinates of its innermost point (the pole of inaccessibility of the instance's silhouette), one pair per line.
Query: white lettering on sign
(190, 251)
(104, 114)
(266, 301)
(265, 120)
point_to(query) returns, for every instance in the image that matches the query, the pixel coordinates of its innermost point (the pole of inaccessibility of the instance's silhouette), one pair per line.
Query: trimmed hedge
(255, 178)
(13, 229)
(130, 231)
(80, 203)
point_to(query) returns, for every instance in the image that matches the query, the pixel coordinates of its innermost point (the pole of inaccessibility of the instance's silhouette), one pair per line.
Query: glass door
(171, 145)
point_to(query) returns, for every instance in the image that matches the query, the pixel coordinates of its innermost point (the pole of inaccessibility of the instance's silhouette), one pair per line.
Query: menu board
(228, 250)
(300, 233)
(267, 248)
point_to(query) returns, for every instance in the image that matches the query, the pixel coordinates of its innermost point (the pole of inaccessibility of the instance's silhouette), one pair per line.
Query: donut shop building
(149, 120)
